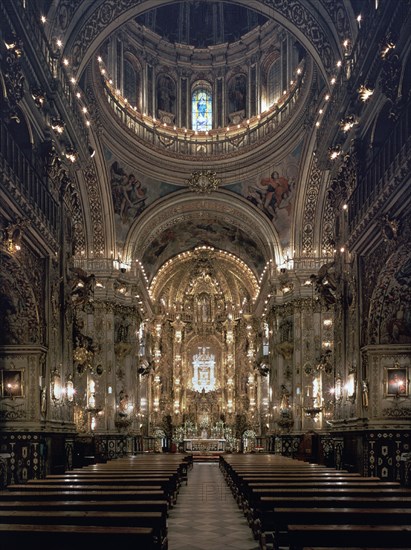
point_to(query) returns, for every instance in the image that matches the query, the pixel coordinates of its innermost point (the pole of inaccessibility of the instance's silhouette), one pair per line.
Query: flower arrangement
(158, 433)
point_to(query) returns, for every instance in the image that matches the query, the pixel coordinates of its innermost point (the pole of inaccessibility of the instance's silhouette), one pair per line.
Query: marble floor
(206, 516)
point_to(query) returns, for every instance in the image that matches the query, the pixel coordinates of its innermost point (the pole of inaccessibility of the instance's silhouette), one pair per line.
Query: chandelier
(203, 181)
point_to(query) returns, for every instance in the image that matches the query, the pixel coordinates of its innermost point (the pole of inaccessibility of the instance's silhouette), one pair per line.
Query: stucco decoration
(390, 307)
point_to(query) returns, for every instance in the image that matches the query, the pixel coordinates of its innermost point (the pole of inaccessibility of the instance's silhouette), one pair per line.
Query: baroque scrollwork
(13, 77)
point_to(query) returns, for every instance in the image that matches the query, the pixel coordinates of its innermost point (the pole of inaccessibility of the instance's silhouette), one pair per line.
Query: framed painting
(396, 381)
(12, 383)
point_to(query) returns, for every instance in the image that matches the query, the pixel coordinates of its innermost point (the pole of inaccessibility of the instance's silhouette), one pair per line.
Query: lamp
(334, 152)
(71, 154)
(56, 389)
(347, 123)
(350, 385)
(39, 97)
(14, 44)
(70, 389)
(91, 151)
(11, 235)
(58, 124)
(365, 92)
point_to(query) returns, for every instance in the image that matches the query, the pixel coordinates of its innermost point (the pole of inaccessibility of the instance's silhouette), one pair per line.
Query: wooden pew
(282, 517)
(265, 518)
(349, 536)
(104, 505)
(265, 485)
(82, 494)
(88, 485)
(65, 537)
(133, 494)
(248, 489)
(112, 518)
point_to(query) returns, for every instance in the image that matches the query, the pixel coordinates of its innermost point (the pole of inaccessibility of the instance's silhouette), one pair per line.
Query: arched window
(130, 83)
(202, 107)
(274, 82)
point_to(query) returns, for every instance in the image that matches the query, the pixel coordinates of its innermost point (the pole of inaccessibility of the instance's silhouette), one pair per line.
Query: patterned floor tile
(206, 515)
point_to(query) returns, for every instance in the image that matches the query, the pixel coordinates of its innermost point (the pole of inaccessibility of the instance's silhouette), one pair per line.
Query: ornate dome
(201, 23)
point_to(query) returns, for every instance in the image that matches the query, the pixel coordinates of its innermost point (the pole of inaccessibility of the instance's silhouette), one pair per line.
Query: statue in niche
(81, 340)
(122, 404)
(285, 398)
(365, 392)
(122, 332)
(204, 309)
(165, 94)
(237, 94)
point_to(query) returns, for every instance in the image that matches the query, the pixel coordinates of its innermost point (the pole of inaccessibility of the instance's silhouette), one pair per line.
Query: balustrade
(26, 180)
(217, 142)
(389, 159)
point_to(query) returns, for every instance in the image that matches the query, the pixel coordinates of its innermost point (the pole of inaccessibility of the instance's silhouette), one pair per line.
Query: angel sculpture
(326, 283)
(82, 286)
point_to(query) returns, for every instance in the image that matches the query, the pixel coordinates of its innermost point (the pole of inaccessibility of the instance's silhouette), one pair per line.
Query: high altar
(204, 445)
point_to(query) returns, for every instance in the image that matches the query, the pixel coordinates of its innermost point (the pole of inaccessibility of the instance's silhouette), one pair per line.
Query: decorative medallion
(203, 181)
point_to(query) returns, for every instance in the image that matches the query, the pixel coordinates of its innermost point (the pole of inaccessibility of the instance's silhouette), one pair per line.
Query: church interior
(205, 234)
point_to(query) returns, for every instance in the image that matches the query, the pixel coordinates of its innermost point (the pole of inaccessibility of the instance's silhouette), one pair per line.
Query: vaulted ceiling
(176, 220)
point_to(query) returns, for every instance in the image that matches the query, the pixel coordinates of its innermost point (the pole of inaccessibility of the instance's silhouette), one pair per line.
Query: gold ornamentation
(203, 181)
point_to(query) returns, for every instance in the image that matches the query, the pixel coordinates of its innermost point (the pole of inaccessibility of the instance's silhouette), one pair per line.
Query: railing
(19, 170)
(216, 142)
(391, 157)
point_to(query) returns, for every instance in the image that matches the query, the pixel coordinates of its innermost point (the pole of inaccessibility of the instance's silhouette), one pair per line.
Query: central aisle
(206, 515)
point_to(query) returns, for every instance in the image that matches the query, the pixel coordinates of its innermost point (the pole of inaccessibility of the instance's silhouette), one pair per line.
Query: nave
(206, 514)
(176, 502)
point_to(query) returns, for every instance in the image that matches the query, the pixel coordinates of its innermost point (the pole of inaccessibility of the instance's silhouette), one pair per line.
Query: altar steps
(212, 457)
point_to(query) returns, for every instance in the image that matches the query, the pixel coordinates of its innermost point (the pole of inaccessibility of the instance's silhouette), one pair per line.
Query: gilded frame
(12, 383)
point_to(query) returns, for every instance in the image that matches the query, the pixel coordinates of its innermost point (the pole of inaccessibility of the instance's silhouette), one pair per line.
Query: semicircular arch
(223, 220)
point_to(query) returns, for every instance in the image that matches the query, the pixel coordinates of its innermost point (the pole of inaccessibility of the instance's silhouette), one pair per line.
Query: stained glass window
(202, 109)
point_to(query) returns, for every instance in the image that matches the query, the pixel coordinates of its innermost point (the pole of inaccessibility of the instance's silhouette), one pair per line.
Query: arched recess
(314, 27)
(206, 282)
(232, 223)
(166, 94)
(20, 316)
(390, 306)
(237, 98)
(132, 80)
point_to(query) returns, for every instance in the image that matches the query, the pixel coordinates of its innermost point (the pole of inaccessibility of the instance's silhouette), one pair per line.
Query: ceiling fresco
(189, 234)
(272, 191)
